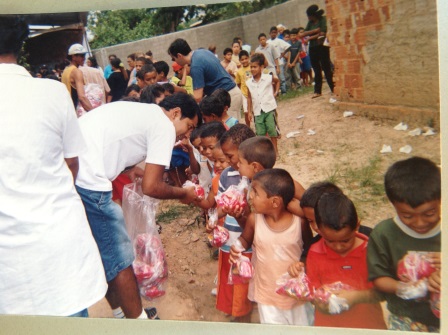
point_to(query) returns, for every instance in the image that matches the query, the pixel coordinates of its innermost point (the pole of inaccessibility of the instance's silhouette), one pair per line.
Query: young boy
(242, 75)
(236, 48)
(227, 62)
(147, 75)
(232, 299)
(276, 236)
(305, 66)
(340, 256)
(292, 70)
(163, 69)
(413, 186)
(225, 99)
(182, 77)
(205, 170)
(213, 109)
(211, 133)
(270, 53)
(262, 90)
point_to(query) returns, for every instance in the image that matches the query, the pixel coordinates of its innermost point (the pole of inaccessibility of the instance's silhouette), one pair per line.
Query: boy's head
(132, 91)
(211, 108)
(195, 138)
(262, 39)
(227, 54)
(273, 33)
(337, 221)
(255, 154)
(231, 140)
(140, 62)
(14, 32)
(152, 94)
(310, 198)
(257, 64)
(236, 47)
(224, 97)
(169, 89)
(219, 159)
(211, 133)
(162, 69)
(147, 75)
(293, 34)
(271, 189)
(413, 186)
(286, 35)
(244, 58)
(115, 63)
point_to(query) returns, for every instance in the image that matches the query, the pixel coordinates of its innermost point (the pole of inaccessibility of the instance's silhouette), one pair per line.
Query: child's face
(140, 83)
(208, 144)
(309, 216)
(293, 37)
(236, 48)
(244, 60)
(150, 78)
(256, 69)
(286, 37)
(231, 151)
(259, 198)
(197, 143)
(262, 41)
(209, 118)
(160, 77)
(340, 241)
(228, 56)
(273, 34)
(131, 63)
(220, 159)
(138, 65)
(133, 94)
(420, 219)
(244, 167)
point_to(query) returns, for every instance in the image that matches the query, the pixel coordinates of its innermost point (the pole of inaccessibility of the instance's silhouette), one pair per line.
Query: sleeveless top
(65, 79)
(275, 252)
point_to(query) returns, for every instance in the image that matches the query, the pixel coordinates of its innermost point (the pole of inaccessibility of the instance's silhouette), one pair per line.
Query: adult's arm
(198, 94)
(79, 85)
(73, 165)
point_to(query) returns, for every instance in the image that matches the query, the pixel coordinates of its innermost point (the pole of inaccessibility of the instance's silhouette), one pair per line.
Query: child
(262, 90)
(227, 62)
(292, 71)
(205, 170)
(236, 48)
(305, 66)
(212, 109)
(152, 94)
(211, 133)
(232, 299)
(276, 237)
(413, 186)
(147, 75)
(242, 75)
(340, 256)
(270, 53)
(133, 91)
(162, 69)
(225, 99)
(182, 77)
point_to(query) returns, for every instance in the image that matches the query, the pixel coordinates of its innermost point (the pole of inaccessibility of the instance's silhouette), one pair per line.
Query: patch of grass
(173, 212)
(291, 94)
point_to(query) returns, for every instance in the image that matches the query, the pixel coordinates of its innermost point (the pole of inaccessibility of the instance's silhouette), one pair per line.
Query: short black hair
(314, 10)
(185, 102)
(131, 56)
(130, 99)
(223, 96)
(162, 66)
(93, 61)
(272, 29)
(276, 182)
(335, 211)
(213, 129)
(227, 50)
(294, 31)
(413, 181)
(258, 58)
(259, 149)
(261, 35)
(237, 134)
(211, 105)
(243, 53)
(195, 133)
(311, 196)
(179, 46)
(144, 70)
(115, 62)
(168, 87)
(149, 93)
(130, 88)
(13, 32)
(286, 32)
(144, 60)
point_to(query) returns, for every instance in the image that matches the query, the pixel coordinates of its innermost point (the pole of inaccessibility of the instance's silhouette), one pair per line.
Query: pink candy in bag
(298, 287)
(200, 193)
(414, 266)
(218, 237)
(241, 271)
(234, 196)
(326, 295)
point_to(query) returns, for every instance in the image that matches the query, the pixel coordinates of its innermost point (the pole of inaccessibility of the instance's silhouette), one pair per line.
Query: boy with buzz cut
(261, 103)
(227, 63)
(413, 186)
(242, 75)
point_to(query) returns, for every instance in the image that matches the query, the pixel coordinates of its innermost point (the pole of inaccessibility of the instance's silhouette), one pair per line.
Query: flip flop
(316, 95)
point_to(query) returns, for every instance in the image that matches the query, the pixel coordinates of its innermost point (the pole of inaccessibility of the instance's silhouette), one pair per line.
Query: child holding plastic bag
(336, 267)
(275, 234)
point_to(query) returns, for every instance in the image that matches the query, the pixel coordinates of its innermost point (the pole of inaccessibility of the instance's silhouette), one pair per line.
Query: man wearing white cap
(73, 78)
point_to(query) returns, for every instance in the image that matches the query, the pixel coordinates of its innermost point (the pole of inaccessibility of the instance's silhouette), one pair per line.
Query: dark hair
(335, 211)
(13, 32)
(226, 51)
(144, 70)
(294, 31)
(145, 60)
(243, 53)
(211, 105)
(276, 182)
(185, 102)
(259, 149)
(272, 29)
(223, 96)
(112, 55)
(237, 42)
(413, 181)
(148, 53)
(258, 58)
(286, 32)
(93, 61)
(162, 66)
(168, 87)
(130, 88)
(179, 46)
(131, 56)
(213, 129)
(237, 39)
(130, 99)
(314, 10)
(195, 133)
(149, 93)
(300, 28)
(115, 63)
(261, 35)
(311, 196)
(237, 134)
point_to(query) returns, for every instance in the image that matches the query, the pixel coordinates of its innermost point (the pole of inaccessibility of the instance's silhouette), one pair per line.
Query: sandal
(316, 95)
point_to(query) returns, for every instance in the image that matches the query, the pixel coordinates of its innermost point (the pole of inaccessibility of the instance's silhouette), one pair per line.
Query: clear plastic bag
(219, 236)
(150, 265)
(326, 295)
(95, 94)
(295, 287)
(200, 192)
(241, 272)
(234, 196)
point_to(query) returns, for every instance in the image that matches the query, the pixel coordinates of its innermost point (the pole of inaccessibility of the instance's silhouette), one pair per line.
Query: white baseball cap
(76, 49)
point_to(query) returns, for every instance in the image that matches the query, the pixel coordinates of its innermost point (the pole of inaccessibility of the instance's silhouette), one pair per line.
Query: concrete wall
(291, 14)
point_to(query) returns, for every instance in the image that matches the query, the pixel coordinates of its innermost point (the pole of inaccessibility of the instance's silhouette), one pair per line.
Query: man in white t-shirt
(119, 135)
(49, 261)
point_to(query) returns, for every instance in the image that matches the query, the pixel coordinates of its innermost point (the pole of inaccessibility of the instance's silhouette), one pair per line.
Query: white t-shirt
(49, 261)
(119, 135)
(281, 46)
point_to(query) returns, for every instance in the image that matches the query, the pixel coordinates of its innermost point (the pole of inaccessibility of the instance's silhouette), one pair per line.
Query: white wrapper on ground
(347, 114)
(415, 132)
(401, 126)
(293, 134)
(386, 149)
(429, 132)
(407, 149)
(311, 132)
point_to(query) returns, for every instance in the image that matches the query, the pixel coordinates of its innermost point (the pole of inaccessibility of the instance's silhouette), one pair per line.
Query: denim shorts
(109, 230)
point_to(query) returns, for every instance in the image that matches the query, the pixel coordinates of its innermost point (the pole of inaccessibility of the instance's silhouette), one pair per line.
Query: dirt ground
(345, 150)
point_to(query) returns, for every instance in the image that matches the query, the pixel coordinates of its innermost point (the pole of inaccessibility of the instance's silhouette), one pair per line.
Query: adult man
(207, 73)
(50, 264)
(119, 135)
(271, 54)
(73, 79)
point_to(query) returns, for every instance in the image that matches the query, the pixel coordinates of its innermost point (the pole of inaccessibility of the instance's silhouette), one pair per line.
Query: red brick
(353, 66)
(360, 36)
(371, 17)
(340, 52)
(386, 13)
(348, 23)
(353, 80)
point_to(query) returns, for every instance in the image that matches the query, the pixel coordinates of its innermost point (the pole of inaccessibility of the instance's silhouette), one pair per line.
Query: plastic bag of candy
(295, 287)
(234, 196)
(200, 193)
(414, 266)
(241, 271)
(326, 295)
(95, 94)
(150, 265)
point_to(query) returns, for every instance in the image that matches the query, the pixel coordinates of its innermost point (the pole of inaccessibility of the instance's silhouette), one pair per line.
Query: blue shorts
(109, 230)
(306, 64)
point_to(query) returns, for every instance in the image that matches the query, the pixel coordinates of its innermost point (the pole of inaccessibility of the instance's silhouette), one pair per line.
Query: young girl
(276, 237)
